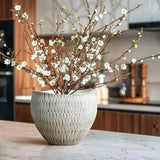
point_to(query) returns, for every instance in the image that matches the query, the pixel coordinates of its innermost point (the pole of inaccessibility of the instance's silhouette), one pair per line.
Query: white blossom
(99, 57)
(101, 16)
(110, 70)
(104, 11)
(42, 57)
(33, 76)
(41, 81)
(66, 77)
(129, 51)
(13, 63)
(93, 39)
(91, 66)
(135, 46)
(116, 67)
(94, 75)
(72, 37)
(84, 39)
(19, 67)
(8, 53)
(7, 61)
(124, 58)
(51, 43)
(82, 69)
(114, 31)
(86, 79)
(24, 15)
(44, 66)
(23, 64)
(95, 11)
(90, 56)
(74, 77)
(100, 43)
(53, 51)
(17, 7)
(104, 36)
(67, 61)
(34, 43)
(63, 68)
(107, 65)
(53, 82)
(134, 60)
(124, 11)
(32, 36)
(97, 18)
(34, 56)
(46, 73)
(38, 69)
(119, 24)
(123, 66)
(80, 47)
(41, 40)
(93, 50)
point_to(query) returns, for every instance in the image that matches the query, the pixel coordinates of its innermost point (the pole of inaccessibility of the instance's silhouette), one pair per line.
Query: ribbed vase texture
(64, 119)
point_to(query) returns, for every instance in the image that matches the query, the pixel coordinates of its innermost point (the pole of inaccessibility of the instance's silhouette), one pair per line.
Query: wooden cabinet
(150, 124)
(117, 121)
(129, 122)
(106, 120)
(22, 113)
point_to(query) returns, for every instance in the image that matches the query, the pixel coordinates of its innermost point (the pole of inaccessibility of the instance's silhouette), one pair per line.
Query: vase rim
(83, 91)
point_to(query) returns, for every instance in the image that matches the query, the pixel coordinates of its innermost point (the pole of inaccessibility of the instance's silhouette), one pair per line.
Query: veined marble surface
(22, 141)
(112, 106)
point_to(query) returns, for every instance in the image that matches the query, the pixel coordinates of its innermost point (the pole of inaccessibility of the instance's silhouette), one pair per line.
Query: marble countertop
(22, 141)
(110, 106)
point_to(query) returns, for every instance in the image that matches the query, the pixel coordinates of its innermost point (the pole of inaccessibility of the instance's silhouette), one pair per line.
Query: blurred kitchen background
(147, 16)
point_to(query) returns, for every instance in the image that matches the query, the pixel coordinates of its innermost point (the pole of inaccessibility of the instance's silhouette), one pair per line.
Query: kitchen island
(22, 141)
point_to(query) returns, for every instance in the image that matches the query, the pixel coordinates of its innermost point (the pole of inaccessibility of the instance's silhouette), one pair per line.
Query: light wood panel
(5, 6)
(23, 81)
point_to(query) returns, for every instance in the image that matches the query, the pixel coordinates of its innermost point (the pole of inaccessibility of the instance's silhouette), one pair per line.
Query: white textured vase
(64, 119)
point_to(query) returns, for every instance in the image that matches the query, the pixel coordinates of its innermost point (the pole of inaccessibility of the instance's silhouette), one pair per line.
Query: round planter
(64, 119)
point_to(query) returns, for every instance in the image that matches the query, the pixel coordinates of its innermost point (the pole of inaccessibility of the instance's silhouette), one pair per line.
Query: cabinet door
(129, 122)
(106, 120)
(22, 113)
(150, 124)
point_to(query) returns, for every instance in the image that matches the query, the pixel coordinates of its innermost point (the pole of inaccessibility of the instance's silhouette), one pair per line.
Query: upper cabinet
(48, 10)
(148, 12)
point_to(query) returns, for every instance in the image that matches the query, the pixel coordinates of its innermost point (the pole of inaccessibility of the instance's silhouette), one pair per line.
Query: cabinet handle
(154, 125)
